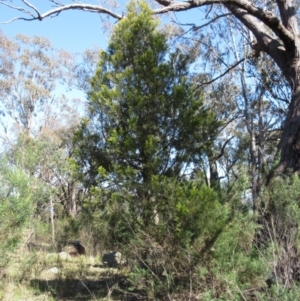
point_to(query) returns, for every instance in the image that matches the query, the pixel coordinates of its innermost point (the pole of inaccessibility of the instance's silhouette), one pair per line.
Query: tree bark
(52, 222)
(289, 146)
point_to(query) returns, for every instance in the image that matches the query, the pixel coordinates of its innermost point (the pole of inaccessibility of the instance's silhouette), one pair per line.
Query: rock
(74, 248)
(54, 270)
(112, 259)
(64, 256)
(49, 274)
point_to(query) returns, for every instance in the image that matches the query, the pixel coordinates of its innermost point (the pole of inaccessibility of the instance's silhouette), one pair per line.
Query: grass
(34, 277)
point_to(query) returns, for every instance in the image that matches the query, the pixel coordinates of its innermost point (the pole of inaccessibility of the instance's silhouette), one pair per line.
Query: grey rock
(64, 255)
(54, 270)
(112, 259)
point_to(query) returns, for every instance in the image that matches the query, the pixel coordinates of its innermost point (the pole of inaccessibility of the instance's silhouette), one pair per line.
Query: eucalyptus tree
(37, 117)
(258, 99)
(32, 78)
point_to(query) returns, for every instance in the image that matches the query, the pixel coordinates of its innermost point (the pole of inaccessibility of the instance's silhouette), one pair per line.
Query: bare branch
(59, 9)
(216, 78)
(31, 6)
(17, 18)
(267, 17)
(56, 2)
(288, 15)
(259, 30)
(21, 9)
(195, 28)
(221, 154)
(212, 49)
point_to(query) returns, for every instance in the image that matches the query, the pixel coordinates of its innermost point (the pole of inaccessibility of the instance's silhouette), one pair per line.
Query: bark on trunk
(214, 175)
(290, 140)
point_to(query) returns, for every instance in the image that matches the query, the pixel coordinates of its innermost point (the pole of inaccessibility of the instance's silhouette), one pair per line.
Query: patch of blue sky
(74, 31)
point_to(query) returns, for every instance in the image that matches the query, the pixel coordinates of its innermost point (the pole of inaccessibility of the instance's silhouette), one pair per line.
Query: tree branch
(216, 78)
(195, 28)
(21, 9)
(75, 6)
(288, 15)
(31, 6)
(273, 47)
(222, 150)
(267, 17)
(56, 2)
(164, 2)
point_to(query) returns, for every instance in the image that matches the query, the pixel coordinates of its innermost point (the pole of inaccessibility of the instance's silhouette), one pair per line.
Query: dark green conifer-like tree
(148, 131)
(147, 119)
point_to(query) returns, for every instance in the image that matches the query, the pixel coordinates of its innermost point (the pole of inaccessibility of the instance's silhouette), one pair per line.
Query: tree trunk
(214, 180)
(290, 140)
(52, 222)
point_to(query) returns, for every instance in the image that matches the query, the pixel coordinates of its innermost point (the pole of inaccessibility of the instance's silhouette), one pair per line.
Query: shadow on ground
(86, 290)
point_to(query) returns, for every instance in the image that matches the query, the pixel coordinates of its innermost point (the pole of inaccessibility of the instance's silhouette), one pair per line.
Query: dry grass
(37, 278)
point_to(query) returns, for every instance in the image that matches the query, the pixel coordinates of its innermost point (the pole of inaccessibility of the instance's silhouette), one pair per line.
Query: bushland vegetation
(170, 173)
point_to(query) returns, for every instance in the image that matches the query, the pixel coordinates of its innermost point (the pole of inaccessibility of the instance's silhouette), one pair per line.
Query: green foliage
(147, 123)
(281, 200)
(146, 116)
(148, 136)
(67, 228)
(235, 263)
(254, 251)
(148, 129)
(278, 292)
(279, 233)
(16, 207)
(190, 208)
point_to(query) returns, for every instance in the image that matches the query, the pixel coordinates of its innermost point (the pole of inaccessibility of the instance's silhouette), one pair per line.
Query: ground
(37, 278)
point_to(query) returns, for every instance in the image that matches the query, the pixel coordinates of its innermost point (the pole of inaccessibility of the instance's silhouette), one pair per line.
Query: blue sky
(74, 31)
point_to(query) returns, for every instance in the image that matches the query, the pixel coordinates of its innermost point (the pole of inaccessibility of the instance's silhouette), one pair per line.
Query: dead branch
(195, 28)
(221, 75)
(57, 10)
(221, 154)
